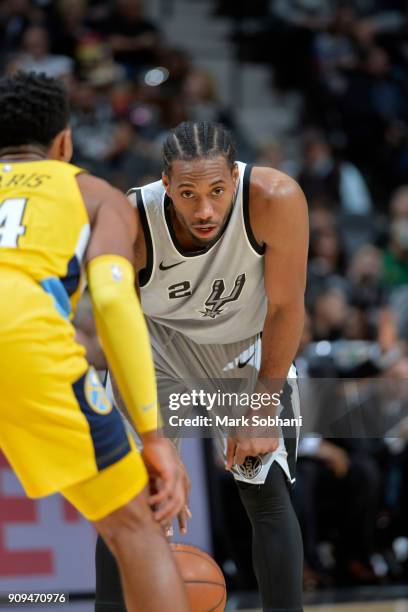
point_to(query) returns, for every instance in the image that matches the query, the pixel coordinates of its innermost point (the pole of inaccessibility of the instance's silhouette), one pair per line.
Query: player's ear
(235, 175)
(166, 182)
(61, 147)
(66, 145)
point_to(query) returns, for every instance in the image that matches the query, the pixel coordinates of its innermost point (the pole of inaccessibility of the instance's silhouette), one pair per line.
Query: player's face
(202, 192)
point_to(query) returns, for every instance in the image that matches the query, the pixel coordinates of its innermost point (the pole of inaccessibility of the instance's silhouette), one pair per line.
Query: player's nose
(204, 210)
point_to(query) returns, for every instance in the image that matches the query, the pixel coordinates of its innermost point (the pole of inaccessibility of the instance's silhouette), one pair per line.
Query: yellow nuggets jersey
(44, 226)
(57, 426)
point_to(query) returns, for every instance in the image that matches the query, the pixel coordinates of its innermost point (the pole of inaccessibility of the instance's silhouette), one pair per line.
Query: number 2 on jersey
(11, 216)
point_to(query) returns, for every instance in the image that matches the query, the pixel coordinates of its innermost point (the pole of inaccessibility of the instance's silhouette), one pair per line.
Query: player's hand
(252, 440)
(168, 496)
(185, 514)
(239, 448)
(182, 518)
(335, 457)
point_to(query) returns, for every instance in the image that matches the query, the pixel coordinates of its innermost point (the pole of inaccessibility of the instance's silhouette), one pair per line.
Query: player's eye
(187, 194)
(218, 191)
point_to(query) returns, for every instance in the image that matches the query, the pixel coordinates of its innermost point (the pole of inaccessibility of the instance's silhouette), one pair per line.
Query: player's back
(44, 231)
(44, 226)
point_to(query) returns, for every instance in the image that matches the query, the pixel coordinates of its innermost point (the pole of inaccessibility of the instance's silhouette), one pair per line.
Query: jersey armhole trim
(259, 250)
(132, 190)
(145, 274)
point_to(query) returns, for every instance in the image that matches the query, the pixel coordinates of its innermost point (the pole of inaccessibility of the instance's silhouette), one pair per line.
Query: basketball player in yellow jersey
(57, 427)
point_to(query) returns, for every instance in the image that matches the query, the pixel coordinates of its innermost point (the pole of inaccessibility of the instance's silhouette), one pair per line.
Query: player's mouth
(205, 231)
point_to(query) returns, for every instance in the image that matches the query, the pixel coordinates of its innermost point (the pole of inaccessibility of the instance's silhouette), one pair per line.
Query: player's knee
(135, 517)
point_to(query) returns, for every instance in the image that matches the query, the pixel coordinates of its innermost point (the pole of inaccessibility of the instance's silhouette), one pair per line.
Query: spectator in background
(337, 54)
(15, 16)
(337, 487)
(335, 49)
(364, 276)
(178, 63)
(326, 252)
(395, 257)
(93, 125)
(374, 108)
(134, 40)
(331, 182)
(294, 24)
(338, 481)
(200, 94)
(329, 315)
(366, 293)
(71, 30)
(36, 56)
(106, 142)
(326, 258)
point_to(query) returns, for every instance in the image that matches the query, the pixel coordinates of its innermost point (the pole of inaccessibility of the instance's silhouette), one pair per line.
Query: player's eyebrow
(187, 184)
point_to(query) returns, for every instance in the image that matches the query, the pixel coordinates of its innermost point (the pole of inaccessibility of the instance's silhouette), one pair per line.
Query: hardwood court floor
(384, 606)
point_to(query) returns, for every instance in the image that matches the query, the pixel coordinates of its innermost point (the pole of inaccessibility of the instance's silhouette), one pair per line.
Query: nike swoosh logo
(242, 364)
(163, 267)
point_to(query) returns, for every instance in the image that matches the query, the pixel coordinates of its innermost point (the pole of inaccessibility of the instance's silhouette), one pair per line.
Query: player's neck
(22, 153)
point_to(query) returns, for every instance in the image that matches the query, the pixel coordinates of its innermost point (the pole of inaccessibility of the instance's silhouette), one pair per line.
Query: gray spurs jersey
(213, 296)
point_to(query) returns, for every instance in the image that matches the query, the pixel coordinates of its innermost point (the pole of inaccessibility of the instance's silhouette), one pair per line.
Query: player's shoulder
(277, 205)
(96, 191)
(93, 185)
(273, 186)
(147, 193)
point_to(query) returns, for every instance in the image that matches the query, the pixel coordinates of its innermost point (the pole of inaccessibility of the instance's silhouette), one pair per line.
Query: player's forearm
(280, 339)
(123, 333)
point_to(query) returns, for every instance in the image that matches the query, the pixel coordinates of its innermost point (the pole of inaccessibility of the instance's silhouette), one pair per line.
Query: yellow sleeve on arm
(123, 333)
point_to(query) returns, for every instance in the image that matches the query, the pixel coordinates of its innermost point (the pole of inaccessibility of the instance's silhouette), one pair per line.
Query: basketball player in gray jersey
(221, 254)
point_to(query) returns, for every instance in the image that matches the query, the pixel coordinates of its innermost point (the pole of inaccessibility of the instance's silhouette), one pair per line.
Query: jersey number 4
(11, 216)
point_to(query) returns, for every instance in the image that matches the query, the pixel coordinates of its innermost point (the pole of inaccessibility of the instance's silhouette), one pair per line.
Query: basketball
(203, 578)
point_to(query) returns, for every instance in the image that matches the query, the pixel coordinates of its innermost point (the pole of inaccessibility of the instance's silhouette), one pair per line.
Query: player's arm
(279, 221)
(84, 323)
(139, 262)
(118, 316)
(281, 224)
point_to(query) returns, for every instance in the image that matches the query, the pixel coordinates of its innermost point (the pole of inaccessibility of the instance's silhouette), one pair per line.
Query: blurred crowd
(127, 86)
(348, 62)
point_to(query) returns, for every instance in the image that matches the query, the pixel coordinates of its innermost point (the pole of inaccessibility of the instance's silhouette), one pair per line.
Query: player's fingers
(163, 492)
(182, 518)
(173, 502)
(240, 455)
(231, 446)
(168, 510)
(168, 530)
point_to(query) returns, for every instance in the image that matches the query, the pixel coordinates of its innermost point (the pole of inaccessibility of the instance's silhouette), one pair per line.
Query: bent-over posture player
(57, 427)
(222, 259)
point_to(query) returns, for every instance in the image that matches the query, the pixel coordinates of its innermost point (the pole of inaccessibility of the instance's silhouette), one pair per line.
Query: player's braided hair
(33, 109)
(196, 140)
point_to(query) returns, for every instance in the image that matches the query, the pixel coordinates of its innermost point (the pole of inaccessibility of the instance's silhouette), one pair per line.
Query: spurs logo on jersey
(214, 305)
